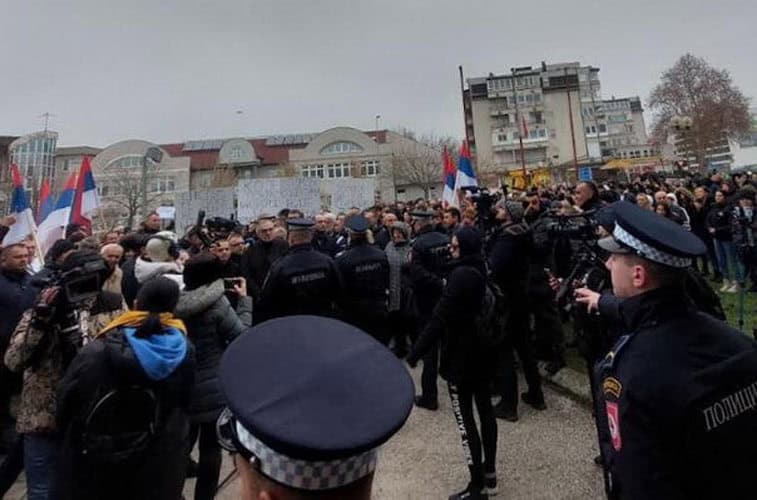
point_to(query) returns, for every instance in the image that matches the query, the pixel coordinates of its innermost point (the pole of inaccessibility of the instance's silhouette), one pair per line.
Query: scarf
(136, 318)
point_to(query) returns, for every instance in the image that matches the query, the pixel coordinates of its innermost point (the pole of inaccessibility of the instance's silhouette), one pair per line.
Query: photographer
(509, 257)
(69, 311)
(211, 325)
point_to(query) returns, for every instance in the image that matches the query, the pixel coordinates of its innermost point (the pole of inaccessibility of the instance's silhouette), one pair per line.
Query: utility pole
(594, 114)
(570, 115)
(518, 122)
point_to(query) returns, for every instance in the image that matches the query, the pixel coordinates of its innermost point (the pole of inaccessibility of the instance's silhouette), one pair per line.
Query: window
(602, 128)
(537, 98)
(502, 137)
(312, 171)
(543, 133)
(162, 185)
(102, 190)
(338, 170)
(369, 168)
(341, 148)
(236, 153)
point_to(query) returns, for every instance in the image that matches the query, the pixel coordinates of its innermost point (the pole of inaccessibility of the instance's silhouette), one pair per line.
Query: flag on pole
(46, 202)
(85, 199)
(53, 227)
(466, 177)
(21, 210)
(448, 195)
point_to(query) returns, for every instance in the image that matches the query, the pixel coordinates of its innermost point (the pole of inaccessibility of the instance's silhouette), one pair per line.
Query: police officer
(304, 281)
(678, 390)
(289, 437)
(429, 259)
(364, 269)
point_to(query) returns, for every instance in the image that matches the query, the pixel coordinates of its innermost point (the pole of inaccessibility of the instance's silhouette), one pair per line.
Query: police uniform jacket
(430, 257)
(679, 392)
(302, 282)
(364, 270)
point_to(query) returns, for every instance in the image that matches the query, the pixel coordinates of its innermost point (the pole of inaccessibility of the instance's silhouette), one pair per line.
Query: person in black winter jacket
(466, 364)
(509, 260)
(260, 256)
(211, 325)
(145, 349)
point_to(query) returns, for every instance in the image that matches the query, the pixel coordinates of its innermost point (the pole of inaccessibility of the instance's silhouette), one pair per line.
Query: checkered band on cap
(303, 474)
(647, 251)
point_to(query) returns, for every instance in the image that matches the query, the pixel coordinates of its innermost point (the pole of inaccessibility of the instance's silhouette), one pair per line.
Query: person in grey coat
(400, 316)
(211, 325)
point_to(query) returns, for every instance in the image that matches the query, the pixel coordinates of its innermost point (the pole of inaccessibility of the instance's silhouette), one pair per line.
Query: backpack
(121, 425)
(491, 319)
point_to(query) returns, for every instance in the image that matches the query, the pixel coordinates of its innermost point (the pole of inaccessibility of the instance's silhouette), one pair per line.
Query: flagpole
(35, 238)
(518, 119)
(462, 96)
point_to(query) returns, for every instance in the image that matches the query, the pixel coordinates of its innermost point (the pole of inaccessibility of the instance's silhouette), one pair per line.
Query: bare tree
(717, 108)
(132, 190)
(418, 160)
(223, 176)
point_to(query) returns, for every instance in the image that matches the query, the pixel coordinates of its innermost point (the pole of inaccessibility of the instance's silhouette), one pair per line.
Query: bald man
(112, 253)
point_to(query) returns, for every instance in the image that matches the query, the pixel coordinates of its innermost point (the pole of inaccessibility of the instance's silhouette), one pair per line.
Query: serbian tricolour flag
(466, 177)
(85, 199)
(53, 227)
(448, 196)
(46, 202)
(20, 209)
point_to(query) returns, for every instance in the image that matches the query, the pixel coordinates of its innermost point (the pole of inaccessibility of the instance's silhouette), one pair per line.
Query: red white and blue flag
(448, 195)
(21, 210)
(466, 177)
(46, 202)
(86, 201)
(53, 227)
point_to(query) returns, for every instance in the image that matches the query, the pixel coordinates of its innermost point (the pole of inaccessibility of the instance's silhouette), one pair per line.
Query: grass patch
(731, 306)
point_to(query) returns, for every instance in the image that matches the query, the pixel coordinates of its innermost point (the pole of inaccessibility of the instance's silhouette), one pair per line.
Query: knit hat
(202, 269)
(469, 241)
(514, 208)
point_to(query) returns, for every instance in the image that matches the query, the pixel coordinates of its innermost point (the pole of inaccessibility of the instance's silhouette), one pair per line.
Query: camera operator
(509, 256)
(70, 310)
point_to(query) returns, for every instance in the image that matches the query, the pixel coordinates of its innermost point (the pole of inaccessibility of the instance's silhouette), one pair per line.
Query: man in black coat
(304, 281)
(16, 296)
(365, 275)
(509, 260)
(427, 268)
(257, 260)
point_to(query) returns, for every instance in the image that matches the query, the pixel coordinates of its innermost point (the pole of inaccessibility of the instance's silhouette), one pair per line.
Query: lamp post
(682, 126)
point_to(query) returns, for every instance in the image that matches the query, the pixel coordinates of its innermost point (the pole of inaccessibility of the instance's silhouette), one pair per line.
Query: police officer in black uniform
(678, 390)
(304, 281)
(364, 269)
(429, 260)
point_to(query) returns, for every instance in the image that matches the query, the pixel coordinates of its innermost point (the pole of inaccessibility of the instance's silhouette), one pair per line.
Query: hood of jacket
(200, 299)
(145, 270)
(159, 355)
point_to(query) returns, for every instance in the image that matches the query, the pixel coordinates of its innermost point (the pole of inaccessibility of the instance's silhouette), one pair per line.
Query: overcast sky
(173, 70)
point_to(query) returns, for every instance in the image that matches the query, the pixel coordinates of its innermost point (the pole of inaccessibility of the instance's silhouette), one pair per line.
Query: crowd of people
(417, 276)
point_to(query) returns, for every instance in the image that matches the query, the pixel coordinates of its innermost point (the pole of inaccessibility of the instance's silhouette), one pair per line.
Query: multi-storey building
(68, 160)
(558, 113)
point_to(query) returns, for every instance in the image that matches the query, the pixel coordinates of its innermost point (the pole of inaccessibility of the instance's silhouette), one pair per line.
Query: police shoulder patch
(612, 387)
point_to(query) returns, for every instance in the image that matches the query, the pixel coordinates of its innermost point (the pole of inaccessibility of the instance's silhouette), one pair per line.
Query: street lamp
(682, 126)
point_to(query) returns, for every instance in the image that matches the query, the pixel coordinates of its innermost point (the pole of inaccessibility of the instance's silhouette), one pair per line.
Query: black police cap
(651, 236)
(313, 398)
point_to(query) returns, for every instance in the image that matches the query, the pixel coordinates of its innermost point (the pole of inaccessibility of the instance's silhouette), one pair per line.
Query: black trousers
(517, 340)
(430, 373)
(463, 398)
(548, 331)
(209, 464)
